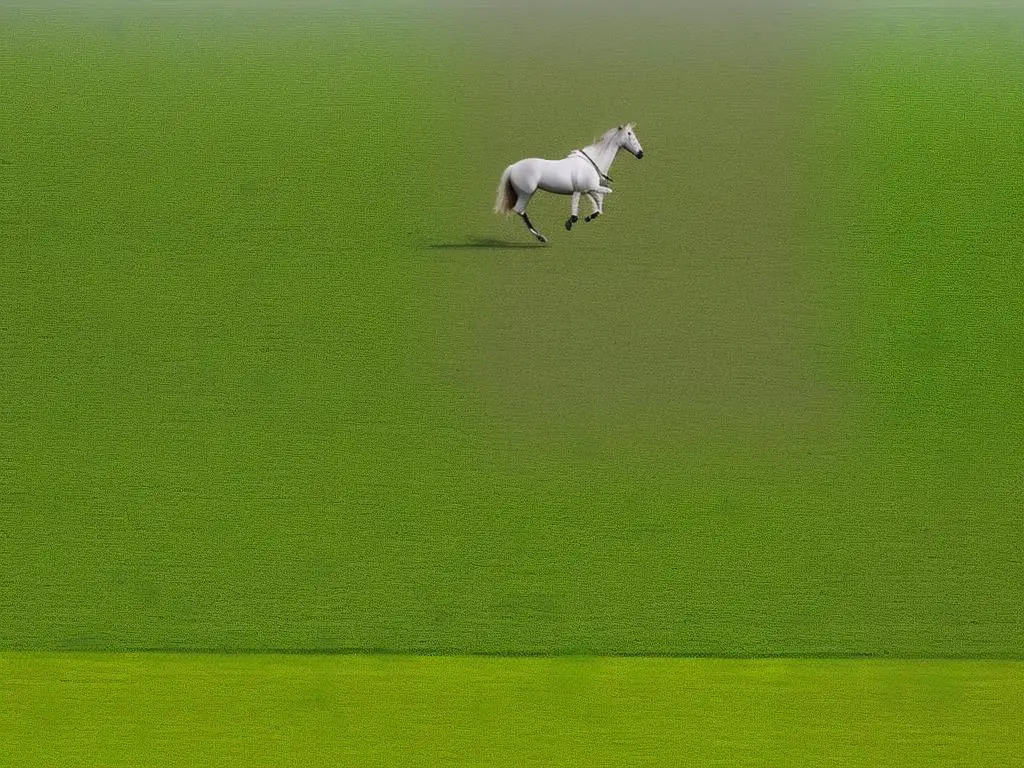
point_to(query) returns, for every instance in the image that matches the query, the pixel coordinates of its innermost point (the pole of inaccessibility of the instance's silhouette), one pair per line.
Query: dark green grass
(153, 709)
(268, 382)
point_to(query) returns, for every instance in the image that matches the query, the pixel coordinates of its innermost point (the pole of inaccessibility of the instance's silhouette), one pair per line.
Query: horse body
(582, 172)
(561, 177)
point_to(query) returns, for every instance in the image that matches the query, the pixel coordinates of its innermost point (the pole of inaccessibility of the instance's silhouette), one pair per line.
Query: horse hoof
(542, 238)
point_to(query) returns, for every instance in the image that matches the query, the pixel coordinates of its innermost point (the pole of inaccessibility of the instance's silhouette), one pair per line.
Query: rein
(600, 173)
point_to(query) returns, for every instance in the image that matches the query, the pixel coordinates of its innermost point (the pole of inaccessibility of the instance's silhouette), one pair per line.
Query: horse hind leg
(533, 231)
(520, 208)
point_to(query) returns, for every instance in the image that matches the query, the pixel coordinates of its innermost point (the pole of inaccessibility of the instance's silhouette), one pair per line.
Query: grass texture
(189, 709)
(274, 377)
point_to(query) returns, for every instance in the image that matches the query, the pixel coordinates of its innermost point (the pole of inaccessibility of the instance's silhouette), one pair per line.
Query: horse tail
(507, 196)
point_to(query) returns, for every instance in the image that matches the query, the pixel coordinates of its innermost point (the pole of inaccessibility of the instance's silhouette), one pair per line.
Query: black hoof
(570, 221)
(592, 216)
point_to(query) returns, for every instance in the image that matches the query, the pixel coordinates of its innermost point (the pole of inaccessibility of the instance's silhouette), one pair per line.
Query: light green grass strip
(170, 710)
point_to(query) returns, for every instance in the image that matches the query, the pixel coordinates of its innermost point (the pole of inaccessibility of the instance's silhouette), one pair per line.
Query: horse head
(629, 142)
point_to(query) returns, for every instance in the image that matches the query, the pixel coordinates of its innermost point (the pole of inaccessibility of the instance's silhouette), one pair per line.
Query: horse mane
(605, 148)
(608, 135)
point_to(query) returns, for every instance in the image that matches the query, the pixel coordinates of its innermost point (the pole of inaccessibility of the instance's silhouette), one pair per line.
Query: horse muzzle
(640, 155)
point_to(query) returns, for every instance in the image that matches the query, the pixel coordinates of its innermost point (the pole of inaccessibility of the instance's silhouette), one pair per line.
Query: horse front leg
(597, 196)
(575, 211)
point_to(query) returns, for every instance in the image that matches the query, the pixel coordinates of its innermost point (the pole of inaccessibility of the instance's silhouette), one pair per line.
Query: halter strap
(600, 173)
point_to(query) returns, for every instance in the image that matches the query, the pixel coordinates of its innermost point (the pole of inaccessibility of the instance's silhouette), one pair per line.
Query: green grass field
(153, 709)
(274, 378)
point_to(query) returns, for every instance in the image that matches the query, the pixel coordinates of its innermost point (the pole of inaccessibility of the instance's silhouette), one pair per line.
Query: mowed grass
(153, 709)
(272, 378)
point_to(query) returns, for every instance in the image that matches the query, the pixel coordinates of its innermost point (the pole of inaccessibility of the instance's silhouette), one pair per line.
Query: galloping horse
(584, 171)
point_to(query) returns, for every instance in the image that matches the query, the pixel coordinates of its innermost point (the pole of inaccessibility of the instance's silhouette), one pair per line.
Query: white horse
(584, 171)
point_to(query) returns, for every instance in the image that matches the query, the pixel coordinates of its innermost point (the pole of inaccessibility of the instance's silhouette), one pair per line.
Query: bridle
(600, 173)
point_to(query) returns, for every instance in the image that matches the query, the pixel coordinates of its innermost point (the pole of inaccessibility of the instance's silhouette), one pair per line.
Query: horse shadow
(473, 243)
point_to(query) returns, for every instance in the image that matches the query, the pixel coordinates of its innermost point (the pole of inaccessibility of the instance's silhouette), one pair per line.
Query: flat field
(274, 377)
(194, 709)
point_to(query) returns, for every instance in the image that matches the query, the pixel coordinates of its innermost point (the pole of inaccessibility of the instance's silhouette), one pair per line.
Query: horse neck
(602, 153)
